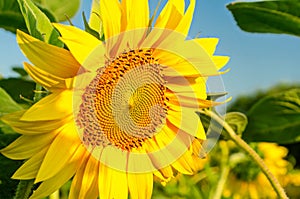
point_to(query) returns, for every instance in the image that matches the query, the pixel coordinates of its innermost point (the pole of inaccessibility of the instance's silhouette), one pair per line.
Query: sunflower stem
(37, 94)
(242, 144)
(224, 171)
(24, 189)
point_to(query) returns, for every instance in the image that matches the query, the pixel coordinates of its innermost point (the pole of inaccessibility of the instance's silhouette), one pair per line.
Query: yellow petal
(89, 186)
(61, 150)
(57, 105)
(171, 15)
(189, 100)
(139, 161)
(187, 120)
(156, 37)
(95, 60)
(26, 146)
(134, 27)
(111, 17)
(113, 157)
(44, 78)
(31, 127)
(179, 4)
(196, 89)
(54, 60)
(209, 44)
(205, 67)
(51, 185)
(193, 59)
(175, 67)
(95, 21)
(182, 80)
(220, 61)
(185, 164)
(112, 183)
(140, 185)
(164, 137)
(80, 43)
(31, 167)
(167, 146)
(160, 148)
(185, 23)
(164, 174)
(197, 148)
(77, 179)
(137, 13)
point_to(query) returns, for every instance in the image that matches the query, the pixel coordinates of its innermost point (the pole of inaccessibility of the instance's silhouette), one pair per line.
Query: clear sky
(257, 60)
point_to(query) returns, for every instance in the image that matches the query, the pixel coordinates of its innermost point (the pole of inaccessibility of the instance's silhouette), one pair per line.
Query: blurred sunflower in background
(119, 112)
(246, 180)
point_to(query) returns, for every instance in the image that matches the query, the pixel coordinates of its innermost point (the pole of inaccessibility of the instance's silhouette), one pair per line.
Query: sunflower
(247, 180)
(120, 112)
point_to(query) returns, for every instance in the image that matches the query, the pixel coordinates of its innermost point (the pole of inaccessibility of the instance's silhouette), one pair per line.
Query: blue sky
(258, 61)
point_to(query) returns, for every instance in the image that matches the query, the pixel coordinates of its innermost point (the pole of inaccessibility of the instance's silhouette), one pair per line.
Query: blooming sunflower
(119, 112)
(247, 180)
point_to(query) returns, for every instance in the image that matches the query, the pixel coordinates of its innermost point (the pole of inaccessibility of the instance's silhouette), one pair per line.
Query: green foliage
(275, 118)
(244, 103)
(20, 71)
(89, 29)
(246, 170)
(7, 105)
(60, 9)
(238, 121)
(24, 189)
(282, 16)
(38, 24)
(36, 12)
(182, 187)
(11, 17)
(18, 89)
(7, 168)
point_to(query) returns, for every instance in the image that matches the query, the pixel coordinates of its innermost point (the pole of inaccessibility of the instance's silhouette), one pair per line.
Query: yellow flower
(119, 112)
(246, 180)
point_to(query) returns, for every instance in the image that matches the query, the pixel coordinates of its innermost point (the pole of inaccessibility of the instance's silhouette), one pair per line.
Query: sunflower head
(131, 92)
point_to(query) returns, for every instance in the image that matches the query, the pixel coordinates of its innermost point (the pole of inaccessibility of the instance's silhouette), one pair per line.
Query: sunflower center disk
(125, 103)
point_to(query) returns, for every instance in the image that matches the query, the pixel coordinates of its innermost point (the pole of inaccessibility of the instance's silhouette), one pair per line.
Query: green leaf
(215, 96)
(205, 120)
(47, 12)
(7, 104)
(243, 103)
(88, 28)
(61, 9)
(95, 21)
(282, 16)
(211, 127)
(275, 118)
(11, 17)
(7, 168)
(238, 121)
(21, 71)
(18, 87)
(38, 24)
